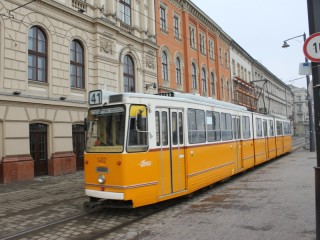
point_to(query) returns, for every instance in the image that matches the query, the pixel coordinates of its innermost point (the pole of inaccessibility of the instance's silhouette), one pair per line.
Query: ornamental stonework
(106, 46)
(150, 62)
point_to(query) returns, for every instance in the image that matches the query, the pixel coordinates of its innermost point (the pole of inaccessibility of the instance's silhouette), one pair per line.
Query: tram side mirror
(139, 120)
(140, 113)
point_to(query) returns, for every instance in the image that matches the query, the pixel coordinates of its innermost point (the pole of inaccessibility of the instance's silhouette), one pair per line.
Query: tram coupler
(91, 204)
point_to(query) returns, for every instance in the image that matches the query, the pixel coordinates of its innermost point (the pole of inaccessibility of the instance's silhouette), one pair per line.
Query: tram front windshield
(106, 127)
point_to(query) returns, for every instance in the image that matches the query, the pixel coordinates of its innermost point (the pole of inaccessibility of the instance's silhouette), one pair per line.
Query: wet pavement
(272, 201)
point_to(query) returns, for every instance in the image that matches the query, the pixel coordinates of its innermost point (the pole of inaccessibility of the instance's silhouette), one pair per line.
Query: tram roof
(112, 97)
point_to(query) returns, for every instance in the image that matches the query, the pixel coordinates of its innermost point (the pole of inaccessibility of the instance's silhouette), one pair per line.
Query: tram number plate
(95, 97)
(102, 169)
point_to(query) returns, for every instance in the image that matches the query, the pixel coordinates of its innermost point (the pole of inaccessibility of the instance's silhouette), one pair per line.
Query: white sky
(260, 27)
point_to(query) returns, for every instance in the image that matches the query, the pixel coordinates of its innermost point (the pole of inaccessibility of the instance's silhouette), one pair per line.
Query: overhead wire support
(12, 10)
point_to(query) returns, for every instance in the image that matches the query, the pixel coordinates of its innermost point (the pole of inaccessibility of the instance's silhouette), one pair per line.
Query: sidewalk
(273, 202)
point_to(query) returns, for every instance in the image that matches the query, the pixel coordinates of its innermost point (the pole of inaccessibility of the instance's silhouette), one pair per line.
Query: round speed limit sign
(311, 47)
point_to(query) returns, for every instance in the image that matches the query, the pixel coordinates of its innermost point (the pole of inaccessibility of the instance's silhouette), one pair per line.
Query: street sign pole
(314, 27)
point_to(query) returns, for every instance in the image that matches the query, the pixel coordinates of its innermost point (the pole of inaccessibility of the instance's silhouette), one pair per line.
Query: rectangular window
(211, 49)
(259, 127)
(181, 128)
(213, 126)
(220, 56)
(202, 43)
(271, 128)
(279, 128)
(176, 27)
(125, 11)
(192, 37)
(246, 133)
(157, 128)
(174, 128)
(226, 126)
(163, 21)
(164, 134)
(265, 128)
(196, 126)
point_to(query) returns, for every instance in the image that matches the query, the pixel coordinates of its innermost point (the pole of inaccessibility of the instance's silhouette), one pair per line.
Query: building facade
(52, 53)
(193, 53)
(244, 92)
(301, 112)
(273, 95)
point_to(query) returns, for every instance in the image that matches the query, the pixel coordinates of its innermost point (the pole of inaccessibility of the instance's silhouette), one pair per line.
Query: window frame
(164, 66)
(128, 74)
(126, 7)
(193, 42)
(38, 55)
(204, 79)
(176, 26)
(198, 117)
(178, 71)
(77, 64)
(226, 126)
(163, 18)
(216, 126)
(213, 84)
(194, 76)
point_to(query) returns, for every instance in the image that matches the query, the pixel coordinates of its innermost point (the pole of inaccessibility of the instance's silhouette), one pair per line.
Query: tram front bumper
(104, 195)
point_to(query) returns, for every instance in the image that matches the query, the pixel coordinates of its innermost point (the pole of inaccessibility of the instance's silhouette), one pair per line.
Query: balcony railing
(80, 5)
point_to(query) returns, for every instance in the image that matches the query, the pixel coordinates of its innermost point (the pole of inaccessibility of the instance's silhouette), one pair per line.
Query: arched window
(128, 74)
(194, 76)
(37, 55)
(164, 60)
(178, 71)
(204, 80)
(213, 84)
(125, 11)
(76, 64)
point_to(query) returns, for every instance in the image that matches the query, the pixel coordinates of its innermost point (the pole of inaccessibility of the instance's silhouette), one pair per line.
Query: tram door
(237, 137)
(172, 157)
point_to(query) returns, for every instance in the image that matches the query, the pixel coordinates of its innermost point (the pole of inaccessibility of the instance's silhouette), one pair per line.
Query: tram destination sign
(311, 47)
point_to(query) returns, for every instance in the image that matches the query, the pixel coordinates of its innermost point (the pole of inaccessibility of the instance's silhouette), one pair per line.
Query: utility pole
(314, 27)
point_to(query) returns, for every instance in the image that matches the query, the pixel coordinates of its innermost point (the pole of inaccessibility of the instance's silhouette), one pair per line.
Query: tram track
(110, 220)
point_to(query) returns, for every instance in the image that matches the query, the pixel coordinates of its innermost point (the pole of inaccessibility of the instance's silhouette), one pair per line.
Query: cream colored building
(52, 53)
(274, 96)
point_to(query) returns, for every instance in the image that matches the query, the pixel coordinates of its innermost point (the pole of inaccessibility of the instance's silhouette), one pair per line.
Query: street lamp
(311, 124)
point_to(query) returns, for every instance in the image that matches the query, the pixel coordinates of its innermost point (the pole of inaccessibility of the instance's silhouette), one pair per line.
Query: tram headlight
(101, 179)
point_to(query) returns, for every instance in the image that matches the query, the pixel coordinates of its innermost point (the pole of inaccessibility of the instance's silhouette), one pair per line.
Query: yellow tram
(142, 148)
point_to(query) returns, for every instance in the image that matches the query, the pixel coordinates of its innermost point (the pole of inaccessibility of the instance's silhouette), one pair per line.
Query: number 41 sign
(311, 47)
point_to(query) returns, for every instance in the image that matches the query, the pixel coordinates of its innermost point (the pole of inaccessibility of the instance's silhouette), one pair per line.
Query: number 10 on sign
(311, 48)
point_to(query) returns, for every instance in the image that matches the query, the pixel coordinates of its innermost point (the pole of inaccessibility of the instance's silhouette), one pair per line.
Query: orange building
(193, 53)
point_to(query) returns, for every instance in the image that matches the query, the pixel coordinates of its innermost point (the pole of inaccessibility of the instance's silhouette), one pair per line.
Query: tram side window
(180, 128)
(196, 126)
(213, 126)
(157, 128)
(164, 134)
(246, 127)
(174, 127)
(226, 126)
(271, 128)
(259, 127)
(287, 129)
(265, 128)
(279, 128)
(138, 135)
